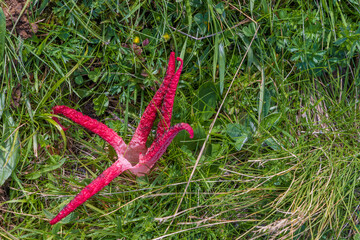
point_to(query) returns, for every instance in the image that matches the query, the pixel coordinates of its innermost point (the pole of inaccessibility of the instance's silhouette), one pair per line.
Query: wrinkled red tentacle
(167, 107)
(143, 130)
(95, 186)
(93, 125)
(157, 149)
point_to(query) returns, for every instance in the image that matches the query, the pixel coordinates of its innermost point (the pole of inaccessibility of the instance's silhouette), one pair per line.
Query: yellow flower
(136, 40)
(166, 37)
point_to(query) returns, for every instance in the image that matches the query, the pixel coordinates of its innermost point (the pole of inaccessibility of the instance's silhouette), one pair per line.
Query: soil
(3, 195)
(12, 10)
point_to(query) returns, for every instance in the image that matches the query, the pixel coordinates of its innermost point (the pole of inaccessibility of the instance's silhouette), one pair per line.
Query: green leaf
(240, 141)
(272, 144)
(79, 80)
(42, 45)
(219, 8)
(249, 31)
(206, 100)
(11, 144)
(200, 21)
(270, 120)
(340, 41)
(238, 133)
(48, 214)
(94, 75)
(100, 104)
(252, 6)
(198, 18)
(235, 130)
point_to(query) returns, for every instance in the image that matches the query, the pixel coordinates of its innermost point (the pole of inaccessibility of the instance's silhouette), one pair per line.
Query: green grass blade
(58, 83)
(216, 56)
(222, 63)
(261, 99)
(2, 34)
(188, 14)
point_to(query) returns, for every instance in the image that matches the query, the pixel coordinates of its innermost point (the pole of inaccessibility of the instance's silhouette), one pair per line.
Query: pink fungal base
(135, 156)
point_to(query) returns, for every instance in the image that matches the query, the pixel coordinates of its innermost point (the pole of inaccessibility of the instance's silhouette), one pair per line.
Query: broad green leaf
(272, 144)
(94, 75)
(219, 8)
(270, 120)
(198, 18)
(249, 30)
(235, 130)
(9, 142)
(238, 133)
(249, 124)
(100, 104)
(240, 141)
(79, 80)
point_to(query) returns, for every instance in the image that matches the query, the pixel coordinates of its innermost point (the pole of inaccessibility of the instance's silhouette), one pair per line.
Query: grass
(275, 152)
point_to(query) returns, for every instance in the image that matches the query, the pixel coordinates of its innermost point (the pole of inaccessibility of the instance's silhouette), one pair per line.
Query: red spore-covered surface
(159, 147)
(93, 125)
(95, 186)
(143, 130)
(136, 153)
(167, 107)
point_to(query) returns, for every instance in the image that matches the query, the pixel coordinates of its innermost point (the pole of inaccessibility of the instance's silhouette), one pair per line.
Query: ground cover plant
(270, 88)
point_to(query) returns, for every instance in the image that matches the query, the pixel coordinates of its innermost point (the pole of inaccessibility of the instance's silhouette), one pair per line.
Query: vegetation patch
(270, 89)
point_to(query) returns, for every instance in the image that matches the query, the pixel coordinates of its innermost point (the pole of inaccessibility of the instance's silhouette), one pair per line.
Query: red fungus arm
(95, 186)
(167, 107)
(93, 125)
(146, 122)
(157, 149)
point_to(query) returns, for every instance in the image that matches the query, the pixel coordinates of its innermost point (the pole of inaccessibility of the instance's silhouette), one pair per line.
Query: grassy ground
(270, 88)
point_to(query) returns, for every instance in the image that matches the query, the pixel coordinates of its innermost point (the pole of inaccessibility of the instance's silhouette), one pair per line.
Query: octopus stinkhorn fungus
(135, 156)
